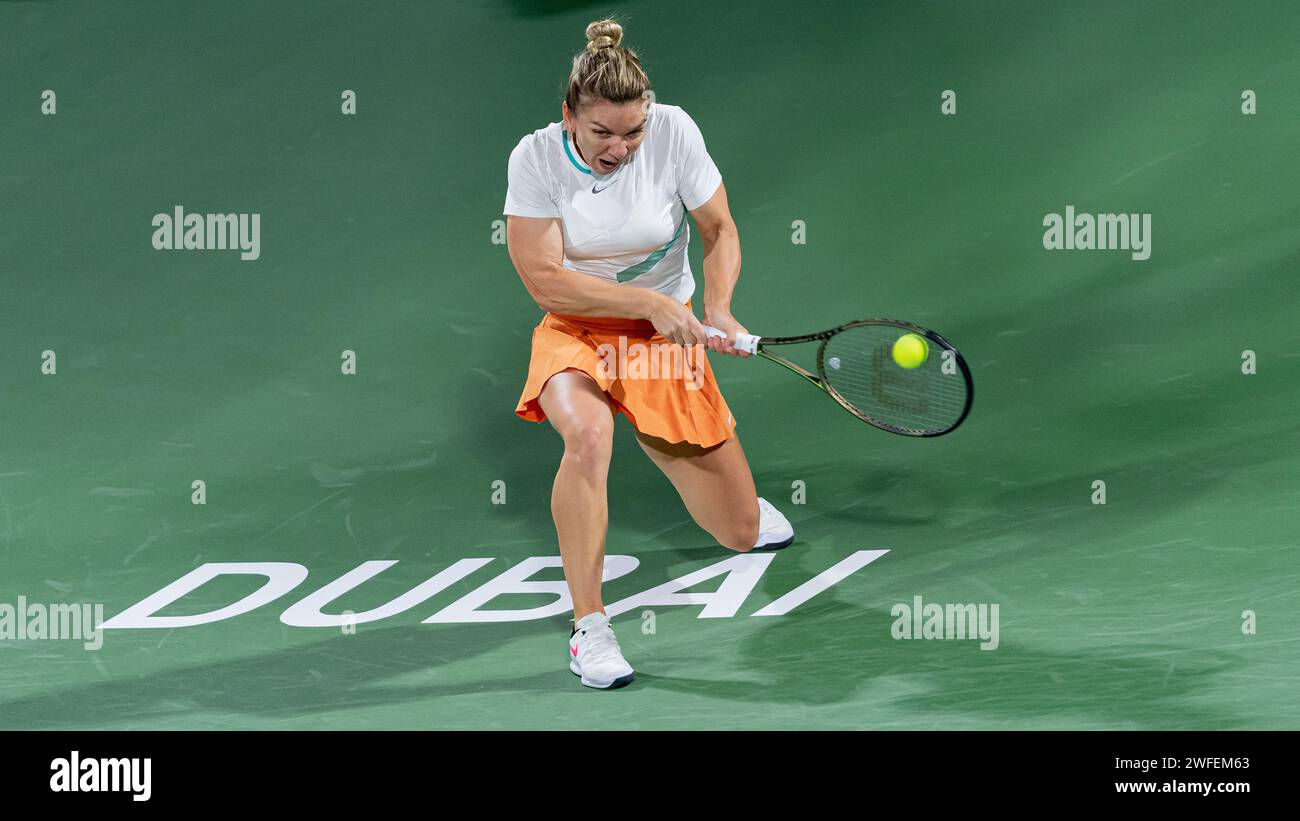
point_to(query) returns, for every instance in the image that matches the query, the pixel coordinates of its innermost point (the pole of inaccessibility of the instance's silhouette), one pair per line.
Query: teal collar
(572, 158)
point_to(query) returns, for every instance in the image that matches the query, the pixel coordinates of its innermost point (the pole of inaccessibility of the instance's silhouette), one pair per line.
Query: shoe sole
(777, 545)
(621, 681)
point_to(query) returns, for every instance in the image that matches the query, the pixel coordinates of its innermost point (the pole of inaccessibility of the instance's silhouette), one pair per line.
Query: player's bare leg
(578, 410)
(715, 485)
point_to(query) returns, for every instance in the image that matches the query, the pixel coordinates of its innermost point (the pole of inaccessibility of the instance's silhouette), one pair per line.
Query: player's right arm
(536, 247)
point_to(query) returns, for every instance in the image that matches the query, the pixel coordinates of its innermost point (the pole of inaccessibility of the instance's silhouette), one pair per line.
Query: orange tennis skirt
(664, 390)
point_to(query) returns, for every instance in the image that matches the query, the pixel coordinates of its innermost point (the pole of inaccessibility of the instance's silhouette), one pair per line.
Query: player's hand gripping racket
(929, 394)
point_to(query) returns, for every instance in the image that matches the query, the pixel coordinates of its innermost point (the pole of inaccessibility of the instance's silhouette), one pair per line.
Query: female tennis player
(596, 227)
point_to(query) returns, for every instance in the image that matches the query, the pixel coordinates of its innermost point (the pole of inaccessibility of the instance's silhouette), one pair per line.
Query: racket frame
(820, 381)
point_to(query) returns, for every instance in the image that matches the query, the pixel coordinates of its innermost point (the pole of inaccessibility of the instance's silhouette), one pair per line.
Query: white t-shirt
(629, 226)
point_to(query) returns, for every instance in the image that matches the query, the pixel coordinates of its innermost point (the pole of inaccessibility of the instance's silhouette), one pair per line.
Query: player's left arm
(721, 268)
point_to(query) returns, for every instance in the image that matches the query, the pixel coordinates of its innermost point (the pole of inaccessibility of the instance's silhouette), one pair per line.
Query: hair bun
(603, 34)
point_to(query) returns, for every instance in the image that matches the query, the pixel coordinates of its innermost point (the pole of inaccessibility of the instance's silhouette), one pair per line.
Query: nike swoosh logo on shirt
(596, 190)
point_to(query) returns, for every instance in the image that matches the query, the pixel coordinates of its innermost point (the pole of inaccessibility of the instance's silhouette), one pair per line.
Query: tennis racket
(856, 367)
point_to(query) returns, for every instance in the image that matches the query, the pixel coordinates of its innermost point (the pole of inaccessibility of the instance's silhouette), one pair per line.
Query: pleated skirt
(664, 390)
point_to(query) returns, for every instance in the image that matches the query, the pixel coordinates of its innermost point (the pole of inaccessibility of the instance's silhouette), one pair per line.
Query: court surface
(377, 236)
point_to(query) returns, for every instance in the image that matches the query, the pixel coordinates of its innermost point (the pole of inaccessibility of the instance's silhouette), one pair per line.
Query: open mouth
(606, 165)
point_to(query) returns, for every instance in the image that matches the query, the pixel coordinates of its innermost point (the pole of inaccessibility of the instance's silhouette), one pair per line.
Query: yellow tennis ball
(911, 351)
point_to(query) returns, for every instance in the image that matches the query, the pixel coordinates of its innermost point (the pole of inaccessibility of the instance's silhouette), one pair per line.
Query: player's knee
(740, 545)
(741, 534)
(590, 444)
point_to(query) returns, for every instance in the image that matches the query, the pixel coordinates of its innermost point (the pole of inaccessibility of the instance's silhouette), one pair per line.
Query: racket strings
(859, 366)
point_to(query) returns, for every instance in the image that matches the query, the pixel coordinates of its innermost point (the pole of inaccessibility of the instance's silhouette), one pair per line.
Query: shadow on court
(786, 663)
(939, 527)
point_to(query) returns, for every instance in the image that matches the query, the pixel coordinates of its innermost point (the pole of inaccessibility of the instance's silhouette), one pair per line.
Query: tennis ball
(911, 351)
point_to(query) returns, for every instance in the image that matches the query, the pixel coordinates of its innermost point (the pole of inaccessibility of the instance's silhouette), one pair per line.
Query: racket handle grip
(744, 342)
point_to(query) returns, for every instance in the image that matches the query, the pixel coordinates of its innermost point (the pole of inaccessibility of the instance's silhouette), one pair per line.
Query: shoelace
(601, 644)
(766, 518)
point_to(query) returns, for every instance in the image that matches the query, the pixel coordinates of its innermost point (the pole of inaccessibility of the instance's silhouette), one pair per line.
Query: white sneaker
(594, 654)
(774, 530)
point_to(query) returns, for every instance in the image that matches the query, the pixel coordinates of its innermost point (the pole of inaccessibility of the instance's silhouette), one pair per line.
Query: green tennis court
(381, 234)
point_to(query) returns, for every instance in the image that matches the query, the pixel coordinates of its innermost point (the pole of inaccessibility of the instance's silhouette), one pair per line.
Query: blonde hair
(604, 70)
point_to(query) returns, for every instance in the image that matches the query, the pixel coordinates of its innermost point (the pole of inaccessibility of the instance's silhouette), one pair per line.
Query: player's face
(607, 133)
